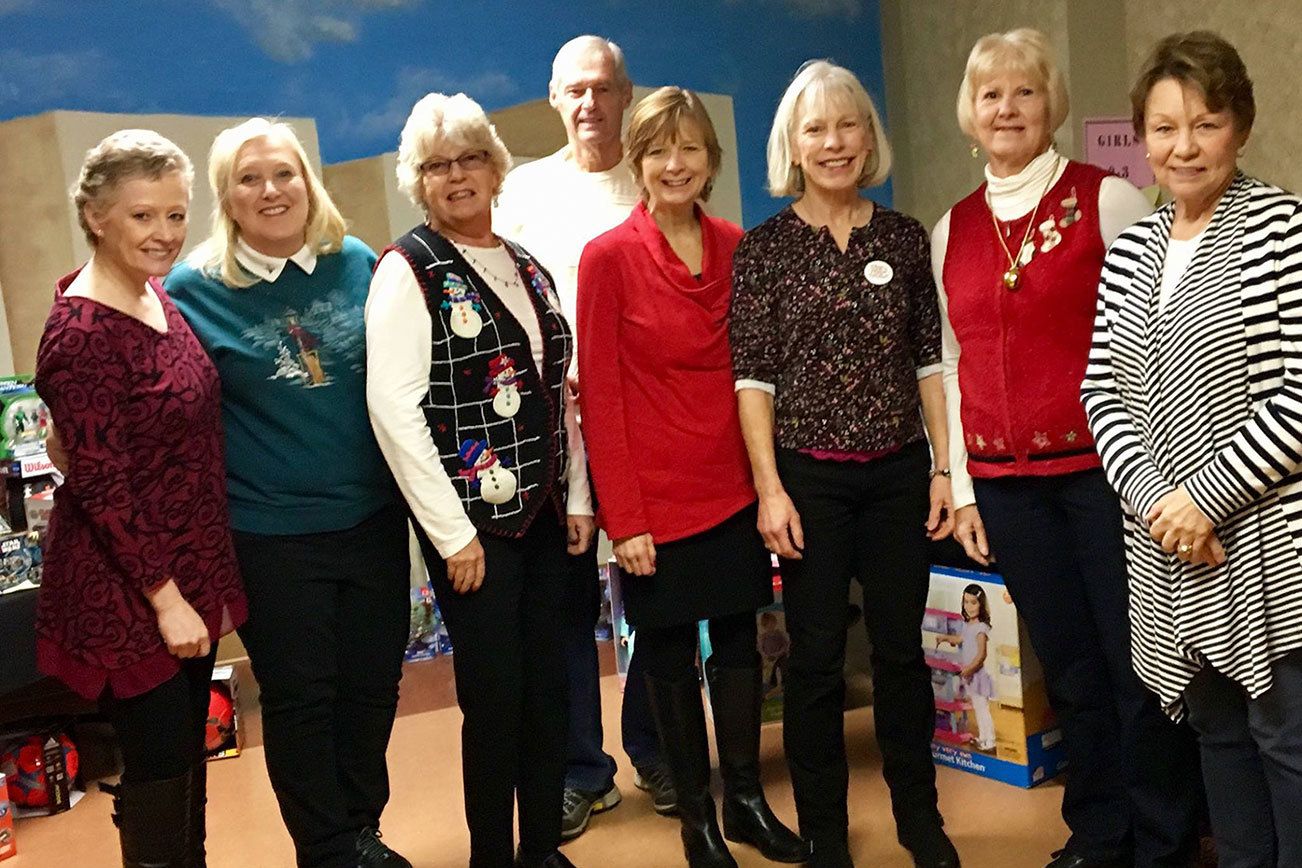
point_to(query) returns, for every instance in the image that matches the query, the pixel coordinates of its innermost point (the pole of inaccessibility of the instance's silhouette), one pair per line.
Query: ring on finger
(1184, 548)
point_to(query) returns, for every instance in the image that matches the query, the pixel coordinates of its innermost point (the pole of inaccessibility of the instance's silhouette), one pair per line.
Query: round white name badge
(878, 273)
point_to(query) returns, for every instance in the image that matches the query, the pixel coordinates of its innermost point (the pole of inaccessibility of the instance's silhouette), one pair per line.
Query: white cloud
(412, 83)
(289, 30)
(55, 79)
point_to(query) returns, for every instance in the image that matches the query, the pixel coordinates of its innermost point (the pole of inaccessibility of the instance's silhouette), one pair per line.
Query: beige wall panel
(36, 240)
(1266, 34)
(42, 221)
(925, 44)
(353, 186)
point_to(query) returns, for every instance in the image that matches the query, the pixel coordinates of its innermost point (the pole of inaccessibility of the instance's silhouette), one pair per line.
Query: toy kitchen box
(992, 715)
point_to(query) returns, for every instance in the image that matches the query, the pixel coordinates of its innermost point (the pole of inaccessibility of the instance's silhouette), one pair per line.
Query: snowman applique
(503, 385)
(484, 469)
(464, 306)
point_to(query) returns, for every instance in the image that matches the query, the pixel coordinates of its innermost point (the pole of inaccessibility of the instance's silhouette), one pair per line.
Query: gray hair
(814, 84)
(120, 157)
(438, 119)
(578, 45)
(1024, 50)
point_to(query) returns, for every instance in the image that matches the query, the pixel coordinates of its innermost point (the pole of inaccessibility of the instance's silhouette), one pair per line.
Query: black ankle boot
(680, 721)
(197, 812)
(736, 696)
(153, 822)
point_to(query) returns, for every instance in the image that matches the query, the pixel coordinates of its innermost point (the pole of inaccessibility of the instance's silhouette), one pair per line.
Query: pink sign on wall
(1110, 143)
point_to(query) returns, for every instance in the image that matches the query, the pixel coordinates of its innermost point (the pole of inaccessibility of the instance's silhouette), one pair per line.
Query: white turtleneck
(1120, 205)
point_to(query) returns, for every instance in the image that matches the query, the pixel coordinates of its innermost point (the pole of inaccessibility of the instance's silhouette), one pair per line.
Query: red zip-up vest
(1023, 351)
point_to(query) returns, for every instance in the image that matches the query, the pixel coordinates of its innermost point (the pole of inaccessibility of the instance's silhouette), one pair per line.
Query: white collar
(1016, 195)
(269, 268)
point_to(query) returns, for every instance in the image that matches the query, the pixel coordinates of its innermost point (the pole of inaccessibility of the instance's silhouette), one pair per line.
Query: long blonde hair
(325, 225)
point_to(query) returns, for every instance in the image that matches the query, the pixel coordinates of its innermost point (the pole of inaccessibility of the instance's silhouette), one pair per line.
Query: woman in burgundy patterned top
(835, 339)
(140, 575)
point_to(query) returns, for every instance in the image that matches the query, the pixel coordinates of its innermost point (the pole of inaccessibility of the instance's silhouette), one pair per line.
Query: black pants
(508, 657)
(669, 653)
(1133, 775)
(327, 627)
(161, 731)
(865, 520)
(588, 766)
(1252, 763)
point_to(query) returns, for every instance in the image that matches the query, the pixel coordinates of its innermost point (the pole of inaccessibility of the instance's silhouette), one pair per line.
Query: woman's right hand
(466, 567)
(636, 555)
(779, 524)
(183, 631)
(971, 532)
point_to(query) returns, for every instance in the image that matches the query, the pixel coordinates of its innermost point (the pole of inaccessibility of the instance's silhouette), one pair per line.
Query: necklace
(513, 280)
(1014, 272)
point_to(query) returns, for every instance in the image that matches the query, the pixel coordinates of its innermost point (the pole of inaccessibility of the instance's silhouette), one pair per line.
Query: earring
(1147, 155)
(974, 151)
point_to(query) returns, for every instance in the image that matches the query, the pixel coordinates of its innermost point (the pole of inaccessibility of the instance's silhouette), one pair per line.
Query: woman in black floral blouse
(836, 348)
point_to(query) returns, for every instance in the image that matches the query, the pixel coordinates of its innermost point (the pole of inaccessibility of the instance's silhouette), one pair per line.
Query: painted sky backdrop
(357, 66)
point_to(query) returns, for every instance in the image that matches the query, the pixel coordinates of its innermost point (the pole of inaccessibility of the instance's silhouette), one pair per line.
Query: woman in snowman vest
(466, 353)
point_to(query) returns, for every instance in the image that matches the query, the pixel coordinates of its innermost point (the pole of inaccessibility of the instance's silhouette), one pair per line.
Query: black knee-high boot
(153, 822)
(736, 696)
(680, 722)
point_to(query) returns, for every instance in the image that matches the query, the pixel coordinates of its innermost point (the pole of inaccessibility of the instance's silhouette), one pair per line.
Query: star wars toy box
(992, 715)
(20, 561)
(8, 846)
(24, 418)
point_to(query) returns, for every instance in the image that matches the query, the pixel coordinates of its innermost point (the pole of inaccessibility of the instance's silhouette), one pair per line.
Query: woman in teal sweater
(276, 295)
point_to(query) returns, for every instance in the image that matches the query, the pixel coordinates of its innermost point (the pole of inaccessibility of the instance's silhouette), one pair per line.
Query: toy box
(20, 561)
(24, 418)
(38, 503)
(427, 635)
(992, 715)
(8, 846)
(224, 737)
(773, 644)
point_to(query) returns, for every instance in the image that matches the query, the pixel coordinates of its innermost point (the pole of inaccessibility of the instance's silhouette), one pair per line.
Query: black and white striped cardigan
(1207, 392)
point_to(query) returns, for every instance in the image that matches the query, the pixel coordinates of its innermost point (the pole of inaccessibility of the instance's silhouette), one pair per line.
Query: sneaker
(374, 853)
(654, 779)
(578, 806)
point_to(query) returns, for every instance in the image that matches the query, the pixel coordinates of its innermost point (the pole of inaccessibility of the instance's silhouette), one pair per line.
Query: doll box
(992, 716)
(24, 418)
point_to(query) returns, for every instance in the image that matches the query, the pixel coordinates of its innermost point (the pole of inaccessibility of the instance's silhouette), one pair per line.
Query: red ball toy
(23, 764)
(221, 718)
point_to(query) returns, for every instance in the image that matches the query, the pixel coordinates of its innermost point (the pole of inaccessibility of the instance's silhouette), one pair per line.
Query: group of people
(1100, 401)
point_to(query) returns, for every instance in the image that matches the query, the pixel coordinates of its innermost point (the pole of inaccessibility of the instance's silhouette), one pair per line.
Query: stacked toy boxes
(992, 715)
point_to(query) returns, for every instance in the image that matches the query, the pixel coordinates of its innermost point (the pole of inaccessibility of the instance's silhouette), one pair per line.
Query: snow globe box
(992, 715)
(24, 418)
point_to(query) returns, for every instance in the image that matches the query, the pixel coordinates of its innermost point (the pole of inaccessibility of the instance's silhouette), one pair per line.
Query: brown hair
(659, 117)
(1206, 61)
(118, 158)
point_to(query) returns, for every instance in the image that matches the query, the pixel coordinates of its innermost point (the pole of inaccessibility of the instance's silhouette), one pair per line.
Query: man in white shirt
(554, 206)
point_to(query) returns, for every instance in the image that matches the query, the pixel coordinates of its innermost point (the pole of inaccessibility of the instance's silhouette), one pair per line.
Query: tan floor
(994, 825)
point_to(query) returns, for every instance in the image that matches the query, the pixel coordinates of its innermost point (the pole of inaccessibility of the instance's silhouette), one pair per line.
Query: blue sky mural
(356, 66)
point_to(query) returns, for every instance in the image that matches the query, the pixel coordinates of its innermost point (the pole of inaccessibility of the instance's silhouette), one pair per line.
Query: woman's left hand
(1177, 524)
(940, 521)
(580, 530)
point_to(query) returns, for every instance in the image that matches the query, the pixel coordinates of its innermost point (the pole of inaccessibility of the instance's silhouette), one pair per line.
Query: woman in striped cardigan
(1194, 396)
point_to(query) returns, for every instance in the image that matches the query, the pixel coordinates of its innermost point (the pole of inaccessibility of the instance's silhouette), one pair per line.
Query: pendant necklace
(1014, 272)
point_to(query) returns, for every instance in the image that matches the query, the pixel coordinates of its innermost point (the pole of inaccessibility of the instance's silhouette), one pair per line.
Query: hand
(779, 524)
(572, 386)
(1177, 524)
(466, 568)
(636, 555)
(971, 533)
(580, 530)
(940, 521)
(183, 631)
(54, 449)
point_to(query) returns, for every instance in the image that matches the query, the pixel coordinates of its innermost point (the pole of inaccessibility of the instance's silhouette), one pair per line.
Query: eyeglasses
(468, 163)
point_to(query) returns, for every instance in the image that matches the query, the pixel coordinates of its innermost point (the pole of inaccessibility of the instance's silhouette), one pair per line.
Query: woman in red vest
(1017, 266)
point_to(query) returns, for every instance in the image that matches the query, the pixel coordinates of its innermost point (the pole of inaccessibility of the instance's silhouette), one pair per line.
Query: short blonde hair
(817, 82)
(1023, 50)
(658, 118)
(120, 157)
(438, 119)
(325, 228)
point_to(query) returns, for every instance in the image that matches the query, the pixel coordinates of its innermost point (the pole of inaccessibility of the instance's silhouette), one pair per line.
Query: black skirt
(720, 571)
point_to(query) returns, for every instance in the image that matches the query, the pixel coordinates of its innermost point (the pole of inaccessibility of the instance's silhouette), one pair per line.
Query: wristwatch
(945, 472)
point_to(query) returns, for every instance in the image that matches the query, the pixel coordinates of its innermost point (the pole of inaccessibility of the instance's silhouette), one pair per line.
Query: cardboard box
(24, 418)
(993, 717)
(234, 743)
(20, 561)
(8, 845)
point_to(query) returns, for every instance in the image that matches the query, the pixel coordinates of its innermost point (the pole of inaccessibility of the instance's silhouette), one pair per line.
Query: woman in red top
(672, 478)
(140, 577)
